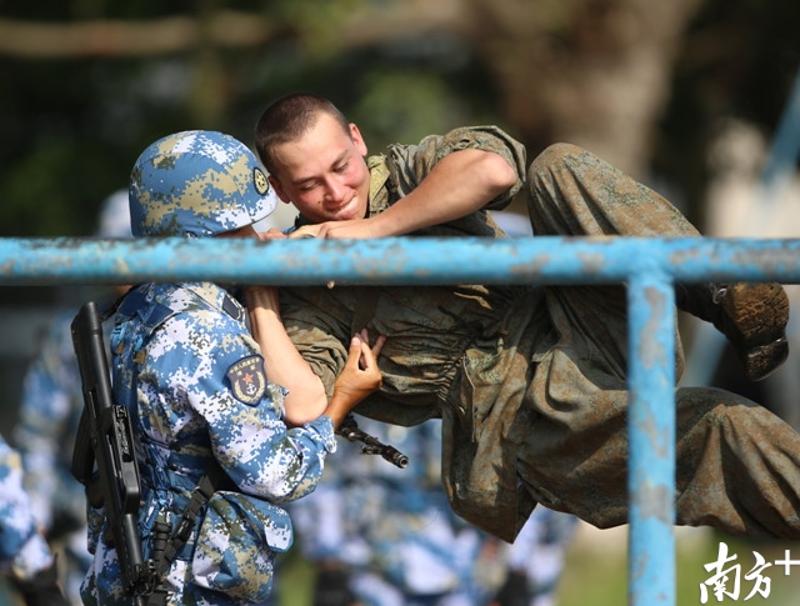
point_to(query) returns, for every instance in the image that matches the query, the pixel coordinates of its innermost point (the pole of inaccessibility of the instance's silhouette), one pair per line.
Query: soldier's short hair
(289, 117)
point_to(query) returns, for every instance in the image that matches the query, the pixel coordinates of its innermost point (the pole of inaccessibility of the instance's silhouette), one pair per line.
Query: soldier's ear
(358, 140)
(276, 185)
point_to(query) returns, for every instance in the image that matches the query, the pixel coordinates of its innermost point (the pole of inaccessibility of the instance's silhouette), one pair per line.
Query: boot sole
(761, 361)
(757, 315)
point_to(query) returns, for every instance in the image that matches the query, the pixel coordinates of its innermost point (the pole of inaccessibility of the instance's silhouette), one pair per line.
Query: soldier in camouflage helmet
(197, 183)
(530, 381)
(195, 383)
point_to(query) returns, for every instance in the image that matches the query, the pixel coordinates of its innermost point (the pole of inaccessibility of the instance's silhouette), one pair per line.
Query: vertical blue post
(651, 430)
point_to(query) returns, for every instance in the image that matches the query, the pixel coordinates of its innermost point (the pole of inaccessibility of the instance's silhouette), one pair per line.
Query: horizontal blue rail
(648, 266)
(540, 260)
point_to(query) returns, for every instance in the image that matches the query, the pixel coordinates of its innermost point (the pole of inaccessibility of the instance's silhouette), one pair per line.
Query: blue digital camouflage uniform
(395, 533)
(48, 419)
(49, 413)
(193, 380)
(23, 551)
(539, 550)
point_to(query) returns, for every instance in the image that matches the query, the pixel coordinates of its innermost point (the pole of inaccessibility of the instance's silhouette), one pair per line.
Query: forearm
(460, 183)
(340, 404)
(285, 366)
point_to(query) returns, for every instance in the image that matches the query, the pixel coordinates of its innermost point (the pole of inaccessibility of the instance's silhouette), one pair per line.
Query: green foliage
(50, 191)
(318, 22)
(72, 128)
(404, 106)
(595, 576)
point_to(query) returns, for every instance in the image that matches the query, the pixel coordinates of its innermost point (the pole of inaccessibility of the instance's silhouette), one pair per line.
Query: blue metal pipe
(650, 266)
(539, 260)
(651, 430)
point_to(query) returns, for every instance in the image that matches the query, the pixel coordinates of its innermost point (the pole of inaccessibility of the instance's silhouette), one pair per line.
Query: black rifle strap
(167, 544)
(215, 479)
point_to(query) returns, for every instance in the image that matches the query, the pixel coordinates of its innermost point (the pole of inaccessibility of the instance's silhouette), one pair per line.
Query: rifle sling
(215, 479)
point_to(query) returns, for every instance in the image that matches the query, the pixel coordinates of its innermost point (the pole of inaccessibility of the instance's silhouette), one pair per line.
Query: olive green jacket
(462, 352)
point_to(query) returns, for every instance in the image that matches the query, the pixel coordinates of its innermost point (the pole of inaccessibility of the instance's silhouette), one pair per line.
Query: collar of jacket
(218, 297)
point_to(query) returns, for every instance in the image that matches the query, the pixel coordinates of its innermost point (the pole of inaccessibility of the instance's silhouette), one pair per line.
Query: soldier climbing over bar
(530, 381)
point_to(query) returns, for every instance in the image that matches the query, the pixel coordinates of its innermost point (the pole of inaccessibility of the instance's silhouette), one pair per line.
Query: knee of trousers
(553, 158)
(732, 416)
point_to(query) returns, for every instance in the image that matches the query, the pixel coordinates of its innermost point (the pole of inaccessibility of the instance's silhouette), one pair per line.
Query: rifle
(370, 444)
(104, 460)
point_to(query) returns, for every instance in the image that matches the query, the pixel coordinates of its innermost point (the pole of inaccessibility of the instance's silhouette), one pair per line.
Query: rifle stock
(104, 455)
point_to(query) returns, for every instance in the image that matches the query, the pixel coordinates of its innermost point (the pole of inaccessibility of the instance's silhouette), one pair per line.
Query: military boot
(752, 316)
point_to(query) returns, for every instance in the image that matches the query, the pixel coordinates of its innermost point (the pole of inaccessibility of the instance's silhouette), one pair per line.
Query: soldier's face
(323, 172)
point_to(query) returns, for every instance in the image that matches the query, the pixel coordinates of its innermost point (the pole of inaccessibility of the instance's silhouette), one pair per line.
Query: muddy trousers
(738, 465)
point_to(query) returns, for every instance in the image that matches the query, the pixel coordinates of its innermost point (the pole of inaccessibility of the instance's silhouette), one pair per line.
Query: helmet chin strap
(263, 225)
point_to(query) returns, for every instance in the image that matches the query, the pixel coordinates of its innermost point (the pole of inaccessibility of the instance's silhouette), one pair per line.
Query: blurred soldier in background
(383, 536)
(49, 412)
(24, 554)
(536, 559)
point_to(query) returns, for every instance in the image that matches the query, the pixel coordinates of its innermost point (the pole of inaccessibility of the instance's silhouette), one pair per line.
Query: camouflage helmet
(197, 183)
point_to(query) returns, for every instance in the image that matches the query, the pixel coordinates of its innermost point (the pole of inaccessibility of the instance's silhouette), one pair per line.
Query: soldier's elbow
(304, 405)
(505, 174)
(498, 175)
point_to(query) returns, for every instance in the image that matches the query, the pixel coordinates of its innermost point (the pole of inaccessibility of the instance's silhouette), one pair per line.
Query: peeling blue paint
(541, 260)
(651, 428)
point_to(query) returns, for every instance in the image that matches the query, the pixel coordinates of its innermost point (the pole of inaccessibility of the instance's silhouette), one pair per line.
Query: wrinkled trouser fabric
(738, 465)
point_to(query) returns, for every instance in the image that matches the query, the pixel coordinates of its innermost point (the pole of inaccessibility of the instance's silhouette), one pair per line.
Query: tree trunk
(593, 73)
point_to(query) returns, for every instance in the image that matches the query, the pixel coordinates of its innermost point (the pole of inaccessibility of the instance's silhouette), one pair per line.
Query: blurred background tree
(88, 83)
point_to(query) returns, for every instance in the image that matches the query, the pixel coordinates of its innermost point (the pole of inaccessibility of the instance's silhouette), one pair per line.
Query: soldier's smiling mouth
(339, 207)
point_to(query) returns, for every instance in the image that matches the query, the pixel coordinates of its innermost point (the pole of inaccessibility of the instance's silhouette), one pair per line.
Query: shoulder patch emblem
(248, 380)
(261, 181)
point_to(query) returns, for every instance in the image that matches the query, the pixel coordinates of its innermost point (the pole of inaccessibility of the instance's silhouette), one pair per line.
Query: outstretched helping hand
(359, 378)
(353, 229)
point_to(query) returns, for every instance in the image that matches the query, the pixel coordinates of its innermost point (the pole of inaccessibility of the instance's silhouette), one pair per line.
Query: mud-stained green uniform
(530, 380)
